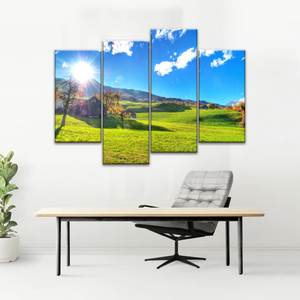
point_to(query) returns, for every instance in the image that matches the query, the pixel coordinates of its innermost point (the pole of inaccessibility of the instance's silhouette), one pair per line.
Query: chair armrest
(227, 202)
(150, 206)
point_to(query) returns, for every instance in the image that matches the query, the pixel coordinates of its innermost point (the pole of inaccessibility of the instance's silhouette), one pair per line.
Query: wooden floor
(267, 276)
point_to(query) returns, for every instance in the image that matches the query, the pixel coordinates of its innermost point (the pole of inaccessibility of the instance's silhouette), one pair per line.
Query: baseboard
(152, 251)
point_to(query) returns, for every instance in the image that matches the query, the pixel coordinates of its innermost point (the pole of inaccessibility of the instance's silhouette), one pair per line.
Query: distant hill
(131, 94)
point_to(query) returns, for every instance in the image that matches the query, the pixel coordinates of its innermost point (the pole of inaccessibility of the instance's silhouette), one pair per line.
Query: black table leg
(227, 244)
(240, 244)
(68, 243)
(58, 246)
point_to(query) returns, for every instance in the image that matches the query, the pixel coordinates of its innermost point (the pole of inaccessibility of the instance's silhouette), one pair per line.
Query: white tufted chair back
(204, 189)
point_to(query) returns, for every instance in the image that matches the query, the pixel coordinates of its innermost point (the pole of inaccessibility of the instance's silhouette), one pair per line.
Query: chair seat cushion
(208, 227)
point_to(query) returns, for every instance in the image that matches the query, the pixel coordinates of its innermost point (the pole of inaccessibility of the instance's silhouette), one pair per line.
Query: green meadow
(174, 128)
(78, 129)
(219, 125)
(131, 144)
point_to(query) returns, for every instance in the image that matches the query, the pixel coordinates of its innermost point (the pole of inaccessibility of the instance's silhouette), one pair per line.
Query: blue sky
(222, 76)
(174, 63)
(126, 64)
(66, 63)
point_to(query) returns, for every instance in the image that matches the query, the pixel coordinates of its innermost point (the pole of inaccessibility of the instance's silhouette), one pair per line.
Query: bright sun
(82, 71)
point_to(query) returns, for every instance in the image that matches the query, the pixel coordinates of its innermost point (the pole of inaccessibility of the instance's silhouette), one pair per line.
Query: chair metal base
(172, 258)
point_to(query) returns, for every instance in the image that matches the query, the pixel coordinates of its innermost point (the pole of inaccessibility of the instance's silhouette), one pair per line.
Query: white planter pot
(9, 248)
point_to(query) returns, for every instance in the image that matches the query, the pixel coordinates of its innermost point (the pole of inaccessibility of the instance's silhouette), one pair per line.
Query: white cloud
(171, 56)
(243, 58)
(106, 46)
(217, 62)
(122, 47)
(64, 65)
(116, 80)
(185, 58)
(227, 55)
(175, 53)
(182, 32)
(207, 52)
(163, 68)
(166, 67)
(141, 45)
(168, 34)
(118, 47)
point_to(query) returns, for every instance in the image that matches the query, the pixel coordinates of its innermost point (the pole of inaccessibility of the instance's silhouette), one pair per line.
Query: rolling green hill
(174, 128)
(221, 126)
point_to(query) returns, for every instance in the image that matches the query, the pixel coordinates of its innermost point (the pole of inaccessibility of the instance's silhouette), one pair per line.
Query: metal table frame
(227, 220)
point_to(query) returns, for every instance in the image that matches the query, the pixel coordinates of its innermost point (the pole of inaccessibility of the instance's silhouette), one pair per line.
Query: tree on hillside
(125, 114)
(68, 92)
(112, 105)
(212, 106)
(111, 102)
(240, 107)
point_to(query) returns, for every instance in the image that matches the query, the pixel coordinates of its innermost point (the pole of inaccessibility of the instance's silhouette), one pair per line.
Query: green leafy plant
(7, 171)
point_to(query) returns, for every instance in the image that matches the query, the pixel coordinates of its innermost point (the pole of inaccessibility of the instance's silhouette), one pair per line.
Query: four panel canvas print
(174, 90)
(126, 102)
(222, 96)
(126, 99)
(77, 96)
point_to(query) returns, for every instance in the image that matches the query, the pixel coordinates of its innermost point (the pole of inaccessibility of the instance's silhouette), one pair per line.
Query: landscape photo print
(126, 102)
(77, 96)
(173, 90)
(222, 96)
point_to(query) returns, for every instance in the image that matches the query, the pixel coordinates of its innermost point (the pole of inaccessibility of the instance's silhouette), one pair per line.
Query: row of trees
(182, 102)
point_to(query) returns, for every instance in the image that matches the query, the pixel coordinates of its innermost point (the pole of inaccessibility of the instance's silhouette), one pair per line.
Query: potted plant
(9, 242)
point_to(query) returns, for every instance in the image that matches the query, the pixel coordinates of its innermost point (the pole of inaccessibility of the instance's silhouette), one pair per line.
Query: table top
(148, 212)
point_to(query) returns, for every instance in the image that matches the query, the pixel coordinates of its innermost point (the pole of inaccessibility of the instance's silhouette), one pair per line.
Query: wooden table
(71, 214)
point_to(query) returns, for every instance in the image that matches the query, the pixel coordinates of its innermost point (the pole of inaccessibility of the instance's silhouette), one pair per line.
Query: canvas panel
(222, 96)
(126, 102)
(77, 96)
(173, 90)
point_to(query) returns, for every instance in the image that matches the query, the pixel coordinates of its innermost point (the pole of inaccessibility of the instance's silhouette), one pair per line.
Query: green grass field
(131, 144)
(77, 129)
(125, 146)
(221, 126)
(172, 131)
(174, 128)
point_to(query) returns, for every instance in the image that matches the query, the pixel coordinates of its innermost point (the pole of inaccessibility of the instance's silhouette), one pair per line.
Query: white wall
(266, 168)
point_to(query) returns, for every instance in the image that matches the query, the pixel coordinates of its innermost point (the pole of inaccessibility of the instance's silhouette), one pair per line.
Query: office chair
(199, 189)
